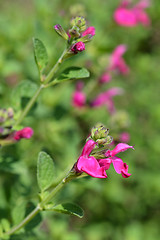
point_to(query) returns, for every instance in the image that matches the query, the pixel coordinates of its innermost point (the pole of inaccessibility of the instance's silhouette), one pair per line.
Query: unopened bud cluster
(77, 35)
(6, 121)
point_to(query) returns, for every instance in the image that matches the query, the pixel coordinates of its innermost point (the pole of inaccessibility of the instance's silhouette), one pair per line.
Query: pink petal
(91, 167)
(142, 17)
(124, 171)
(125, 17)
(122, 66)
(106, 162)
(117, 164)
(89, 30)
(105, 78)
(78, 99)
(88, 147)
(119, 51)
(114, 92)
(121, 147)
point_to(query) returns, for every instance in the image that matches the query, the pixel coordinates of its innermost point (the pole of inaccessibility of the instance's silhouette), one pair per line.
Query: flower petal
(88, 147)
(117, 164)
(91, 167)
(121, 147)
(106, 162)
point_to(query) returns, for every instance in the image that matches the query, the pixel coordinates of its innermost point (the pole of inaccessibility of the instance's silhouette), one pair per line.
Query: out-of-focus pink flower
(105, 98)
(90, 30)
(26, 132)
(128, 16)
(105, 78)
(119, 166)
(117, 62)
(96, 167)
(78, 47)
(124, 137)
(89, 164)
(79, 97)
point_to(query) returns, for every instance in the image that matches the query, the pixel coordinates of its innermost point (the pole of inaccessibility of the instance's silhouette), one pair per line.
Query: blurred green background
(115, 208)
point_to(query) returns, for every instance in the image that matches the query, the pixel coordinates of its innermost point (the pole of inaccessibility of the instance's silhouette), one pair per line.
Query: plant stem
(40, 206)
(25, 221)
(47, 79)
(55, 68)
(29, 105)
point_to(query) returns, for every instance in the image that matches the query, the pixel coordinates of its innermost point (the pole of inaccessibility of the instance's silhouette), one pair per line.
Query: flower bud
(99, 132)
(78, 47)
(58, 28)
(26, 132)
(79, 22)
(74, 32)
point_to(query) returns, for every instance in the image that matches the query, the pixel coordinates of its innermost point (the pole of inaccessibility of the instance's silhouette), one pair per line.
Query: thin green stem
(29, 105)
(55, 67)
(40, 206)
(25, 221)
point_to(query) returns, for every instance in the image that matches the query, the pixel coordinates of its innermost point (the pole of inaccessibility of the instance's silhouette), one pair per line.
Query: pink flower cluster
(117, 63)
(105, 98)
(80, 46)
(97, 167)
(26, 132)
(128, 16)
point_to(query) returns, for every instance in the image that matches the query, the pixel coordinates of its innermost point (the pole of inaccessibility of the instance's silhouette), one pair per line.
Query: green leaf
(25, 89)
(73, 73)
(45, 171)
(68, 208)
(40, 53)
(18, 213)
(5, 225)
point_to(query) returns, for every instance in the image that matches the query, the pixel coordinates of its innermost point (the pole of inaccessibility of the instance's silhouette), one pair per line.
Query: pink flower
(78, 97)
(89, 30)
(26, 132)
(124, 137)
(97, 167)
(105, 98)
(78, 47)
(90, 164)
(105, 78)
(119, 166)
(117, 62)
(128, 16)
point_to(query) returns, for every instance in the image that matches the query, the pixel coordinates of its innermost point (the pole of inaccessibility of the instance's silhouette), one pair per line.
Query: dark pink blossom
(26, 132)
(90, 164)
(105, 78)
(97, 167)
(124, 137)
(117, 62)
(79, 97)
(90, 30)
(128, 16)
(78, 47)
(105, 98)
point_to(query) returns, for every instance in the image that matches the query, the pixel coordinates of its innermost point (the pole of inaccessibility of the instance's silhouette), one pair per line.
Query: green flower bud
(79, 22)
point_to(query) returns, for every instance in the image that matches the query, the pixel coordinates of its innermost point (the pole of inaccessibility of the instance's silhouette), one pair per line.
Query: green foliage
(73, 73)
(45, 171)
(40, 54)
(115, 208)
(22, 93)
(68, 208)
